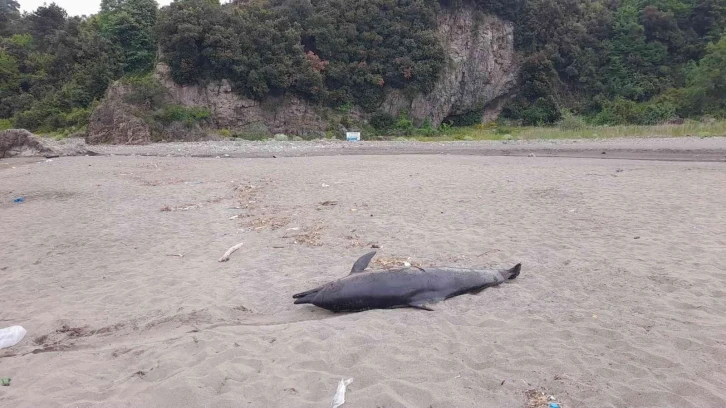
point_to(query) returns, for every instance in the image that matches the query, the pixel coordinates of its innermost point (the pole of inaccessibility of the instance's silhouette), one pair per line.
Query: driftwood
(229, 252)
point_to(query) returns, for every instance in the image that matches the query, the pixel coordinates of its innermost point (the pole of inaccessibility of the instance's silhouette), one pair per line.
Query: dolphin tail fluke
(514, 272)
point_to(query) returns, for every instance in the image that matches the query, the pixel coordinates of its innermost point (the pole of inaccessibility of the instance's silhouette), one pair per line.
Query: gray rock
(114, 121)
(481, 72)
(288, 115)
(20, 142)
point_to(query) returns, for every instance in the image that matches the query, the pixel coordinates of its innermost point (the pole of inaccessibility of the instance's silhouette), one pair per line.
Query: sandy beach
(111, 264)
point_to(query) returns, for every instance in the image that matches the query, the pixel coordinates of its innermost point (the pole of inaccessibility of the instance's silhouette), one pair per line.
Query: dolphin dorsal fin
(362, 263)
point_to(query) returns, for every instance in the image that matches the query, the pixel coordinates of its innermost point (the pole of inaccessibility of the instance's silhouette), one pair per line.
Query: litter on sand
(229, 252)
(11, 336)
(5, 381)
(339, 397)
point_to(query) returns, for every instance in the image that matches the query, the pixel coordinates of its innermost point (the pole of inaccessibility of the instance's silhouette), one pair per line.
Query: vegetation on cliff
(626, 62)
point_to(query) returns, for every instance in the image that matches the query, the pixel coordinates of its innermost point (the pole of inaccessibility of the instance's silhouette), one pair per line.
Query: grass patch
(479, 132)
(60, 134)
(6, 124)
(177, 113)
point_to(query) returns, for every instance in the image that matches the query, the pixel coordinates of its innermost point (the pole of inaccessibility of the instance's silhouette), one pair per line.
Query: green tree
(129, 26)
(9, 12)
(46, 20)
(706, 92)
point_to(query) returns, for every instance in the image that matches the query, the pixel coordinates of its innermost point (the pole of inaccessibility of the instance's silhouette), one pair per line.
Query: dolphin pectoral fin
(362, 263)
(421, 305)
(424, 301)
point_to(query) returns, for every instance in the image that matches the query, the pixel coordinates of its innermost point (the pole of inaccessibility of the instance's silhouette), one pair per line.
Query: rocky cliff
(116, 122)
(480, 73)
(289, 114)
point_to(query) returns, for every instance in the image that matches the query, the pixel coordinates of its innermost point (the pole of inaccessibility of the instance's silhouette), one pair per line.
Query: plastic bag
(339, 397)
(11, 336)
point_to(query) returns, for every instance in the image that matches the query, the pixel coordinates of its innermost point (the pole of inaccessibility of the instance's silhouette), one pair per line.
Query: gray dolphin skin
(404, 287)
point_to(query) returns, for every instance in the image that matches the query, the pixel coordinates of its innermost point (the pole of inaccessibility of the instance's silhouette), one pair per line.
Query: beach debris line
(539, 399)
(11, 336)
(229, 252)
(339, 397)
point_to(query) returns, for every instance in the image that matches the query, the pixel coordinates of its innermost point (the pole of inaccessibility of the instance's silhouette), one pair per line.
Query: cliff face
(288, 114)
(481, 72)
(116, 122)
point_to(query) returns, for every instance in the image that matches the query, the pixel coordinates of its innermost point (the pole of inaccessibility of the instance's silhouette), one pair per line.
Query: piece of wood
(229, 252)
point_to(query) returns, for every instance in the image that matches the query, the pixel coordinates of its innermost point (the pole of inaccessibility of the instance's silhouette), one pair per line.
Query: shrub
(187, 116)
(403, 125)
(77, 117)
(255, 131)
(618, 112)
(655, 113)
(145, 91)
(470, 118)
(503, 130)
(382, 121)
(623, 111)
(426, 129)
(570, 122)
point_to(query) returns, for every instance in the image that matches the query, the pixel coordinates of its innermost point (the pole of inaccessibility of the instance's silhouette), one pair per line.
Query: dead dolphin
(404, 287)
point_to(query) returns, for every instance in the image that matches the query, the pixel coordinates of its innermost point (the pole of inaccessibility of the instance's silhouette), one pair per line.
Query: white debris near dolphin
(339, 397)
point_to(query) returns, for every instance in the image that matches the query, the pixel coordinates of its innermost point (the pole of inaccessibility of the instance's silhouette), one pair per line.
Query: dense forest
(608, 61)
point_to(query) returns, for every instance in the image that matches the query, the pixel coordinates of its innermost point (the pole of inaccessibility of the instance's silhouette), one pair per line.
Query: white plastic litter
(11, 336)
(339, 397)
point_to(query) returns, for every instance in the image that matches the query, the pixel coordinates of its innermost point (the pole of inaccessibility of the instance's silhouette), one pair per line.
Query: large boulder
(20, 142)
(115, 122)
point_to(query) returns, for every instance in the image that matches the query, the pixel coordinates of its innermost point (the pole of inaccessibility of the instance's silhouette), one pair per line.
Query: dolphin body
(403, 287)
